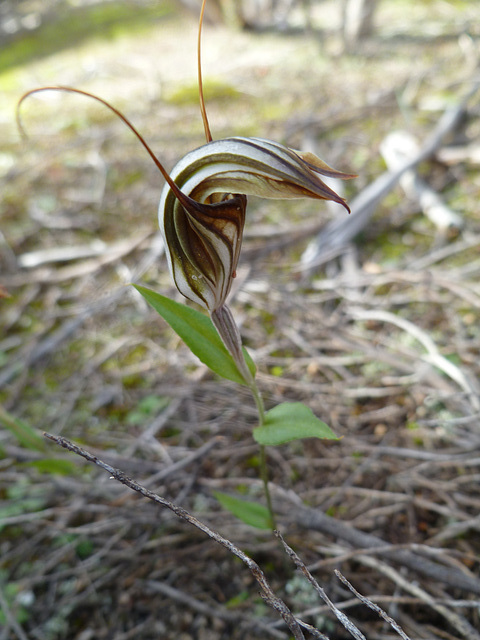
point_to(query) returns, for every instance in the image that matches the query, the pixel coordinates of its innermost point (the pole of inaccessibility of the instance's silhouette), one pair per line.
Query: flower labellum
(203, 224)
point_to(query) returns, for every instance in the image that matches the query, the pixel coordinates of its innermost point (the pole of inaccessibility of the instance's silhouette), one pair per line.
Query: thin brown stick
(265, 590)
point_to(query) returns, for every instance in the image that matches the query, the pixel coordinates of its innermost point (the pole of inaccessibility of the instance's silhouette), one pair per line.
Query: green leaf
(198, 333)
(252, 513)
(291, 421)
(25, 434)
(55, 466)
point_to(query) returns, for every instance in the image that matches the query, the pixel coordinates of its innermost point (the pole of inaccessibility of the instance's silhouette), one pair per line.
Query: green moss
(187, 94)
(84, 549)
(277, 371)
(274, 111)
(358, 455)
(11, 592)
(237, 600)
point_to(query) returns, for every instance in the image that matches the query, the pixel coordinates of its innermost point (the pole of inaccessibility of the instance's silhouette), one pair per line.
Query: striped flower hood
(203, 225)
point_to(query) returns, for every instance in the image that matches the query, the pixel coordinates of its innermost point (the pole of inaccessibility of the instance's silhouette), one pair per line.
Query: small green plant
(202, 214)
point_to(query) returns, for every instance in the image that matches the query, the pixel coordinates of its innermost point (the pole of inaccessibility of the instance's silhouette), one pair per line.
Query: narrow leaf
(291, 421)
(55, 466)
(252, 513)
(25, 434)
(198, 333)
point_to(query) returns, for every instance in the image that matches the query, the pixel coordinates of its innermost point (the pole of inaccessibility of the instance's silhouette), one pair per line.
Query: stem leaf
(26, 435)
(291, 421)
(252, 513)
(198, 333)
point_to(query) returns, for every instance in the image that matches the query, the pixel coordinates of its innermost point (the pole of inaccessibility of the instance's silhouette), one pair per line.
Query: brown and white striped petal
(203, 239)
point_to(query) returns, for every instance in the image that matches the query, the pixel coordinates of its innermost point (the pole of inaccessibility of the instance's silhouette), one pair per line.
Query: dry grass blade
(433, 356)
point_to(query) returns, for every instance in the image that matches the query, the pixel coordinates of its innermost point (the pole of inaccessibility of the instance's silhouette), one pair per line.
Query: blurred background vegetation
(82, 356)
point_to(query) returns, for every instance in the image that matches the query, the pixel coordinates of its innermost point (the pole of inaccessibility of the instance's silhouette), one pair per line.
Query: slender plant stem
(264, 474)
(226, 326)
(263, 454)
(259, 402)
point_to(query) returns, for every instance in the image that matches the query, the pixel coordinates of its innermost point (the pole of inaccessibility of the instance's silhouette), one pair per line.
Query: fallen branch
(458, 622)
(351, 628)
(400, 147)
(332, 240)
(308, 518)
(341, 617)
(104, 253)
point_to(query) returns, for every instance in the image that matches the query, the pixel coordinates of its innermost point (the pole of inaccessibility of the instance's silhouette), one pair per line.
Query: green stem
(263, 454)
(259, 402)
(226, 326)
(264, 474)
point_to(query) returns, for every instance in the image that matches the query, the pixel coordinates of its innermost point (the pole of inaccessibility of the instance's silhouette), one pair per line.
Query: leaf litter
(381, 340)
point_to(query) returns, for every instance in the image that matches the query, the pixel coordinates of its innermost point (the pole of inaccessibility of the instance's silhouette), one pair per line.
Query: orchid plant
(202, 215)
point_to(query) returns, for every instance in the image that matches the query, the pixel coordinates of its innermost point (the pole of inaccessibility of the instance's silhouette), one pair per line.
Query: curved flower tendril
(203, 238)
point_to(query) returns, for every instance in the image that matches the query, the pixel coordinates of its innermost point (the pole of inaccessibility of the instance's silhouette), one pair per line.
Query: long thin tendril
(203, 111)
(185, 200)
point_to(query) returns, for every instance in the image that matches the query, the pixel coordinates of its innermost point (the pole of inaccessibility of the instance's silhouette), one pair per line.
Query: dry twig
(266, 591)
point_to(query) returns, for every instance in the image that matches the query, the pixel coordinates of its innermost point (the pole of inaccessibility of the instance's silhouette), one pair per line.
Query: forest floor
(379, 335)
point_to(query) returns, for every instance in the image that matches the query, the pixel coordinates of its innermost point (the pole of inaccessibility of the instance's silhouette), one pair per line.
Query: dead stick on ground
(459, 623)
(371, 605)
(266, 591)
(341, 617)
(397, 148)
(307, 518)
(337, 234)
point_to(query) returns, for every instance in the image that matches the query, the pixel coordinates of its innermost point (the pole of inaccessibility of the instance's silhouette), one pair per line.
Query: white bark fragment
(399, 147)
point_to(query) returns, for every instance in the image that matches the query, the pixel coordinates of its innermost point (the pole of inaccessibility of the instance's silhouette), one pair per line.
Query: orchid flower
(203, 226)
(203, 238)
(203, 206)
